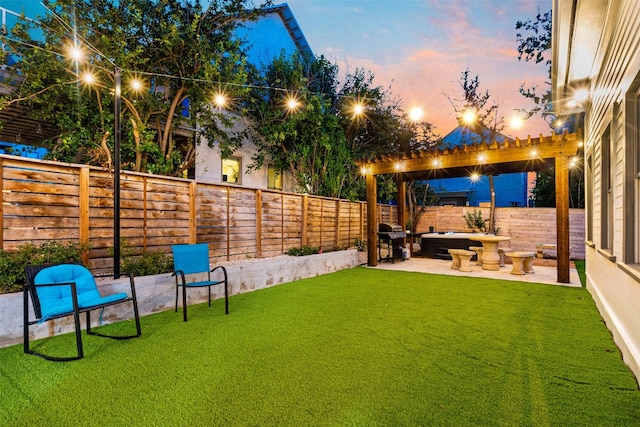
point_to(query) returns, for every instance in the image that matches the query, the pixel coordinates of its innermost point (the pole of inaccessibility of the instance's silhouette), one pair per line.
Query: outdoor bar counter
(435, 245)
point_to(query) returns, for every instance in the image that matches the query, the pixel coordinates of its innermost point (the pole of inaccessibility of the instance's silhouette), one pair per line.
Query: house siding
(615, 286)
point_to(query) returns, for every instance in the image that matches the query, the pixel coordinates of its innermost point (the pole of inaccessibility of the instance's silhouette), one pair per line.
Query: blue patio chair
(191, 262)
(67, 290)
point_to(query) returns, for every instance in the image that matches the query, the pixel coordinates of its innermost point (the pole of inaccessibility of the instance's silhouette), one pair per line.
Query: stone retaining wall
(157, 293)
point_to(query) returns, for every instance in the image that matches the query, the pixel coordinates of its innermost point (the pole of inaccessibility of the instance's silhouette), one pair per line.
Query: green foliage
(305, 250)
(186, 47)
(534, 45)
(544, 193)
(138, 263)
(12, 264)
(148, 264)
(474, 220)
(321, 141)
(360, 244)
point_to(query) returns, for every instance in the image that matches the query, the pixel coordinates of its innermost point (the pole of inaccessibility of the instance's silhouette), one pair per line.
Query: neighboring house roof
(462, 135)
(274, 32)
(292, 26)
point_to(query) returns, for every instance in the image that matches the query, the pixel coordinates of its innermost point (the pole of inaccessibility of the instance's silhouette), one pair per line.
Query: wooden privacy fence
(43, 201)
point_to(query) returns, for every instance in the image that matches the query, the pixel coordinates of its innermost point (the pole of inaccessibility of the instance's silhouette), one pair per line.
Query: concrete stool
(478, 251)
(540, 247)
(461, 259)
(522, 262)
(501, 252)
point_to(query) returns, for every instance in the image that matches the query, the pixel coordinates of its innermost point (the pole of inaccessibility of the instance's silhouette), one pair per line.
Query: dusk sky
(421, 47)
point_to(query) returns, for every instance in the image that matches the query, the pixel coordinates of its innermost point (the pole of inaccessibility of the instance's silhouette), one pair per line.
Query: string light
(292, 103)
(516, 122)
(469, 116)
(88, 77)
(415, 114)
(75, 52)
(358, 109)
(136, 84)
(220, 100)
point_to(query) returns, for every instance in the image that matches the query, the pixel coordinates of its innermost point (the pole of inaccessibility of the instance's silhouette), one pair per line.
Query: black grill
(391, 235)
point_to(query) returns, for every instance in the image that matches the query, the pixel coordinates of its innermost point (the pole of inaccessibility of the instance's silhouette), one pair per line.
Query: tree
(305, 139)
(534, 44)
(321, 139)
(480, 115)
(182, 49)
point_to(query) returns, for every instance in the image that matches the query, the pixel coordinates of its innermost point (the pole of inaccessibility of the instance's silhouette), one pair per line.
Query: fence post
(145, 215)
(192, 212)
(337, 224)
(305, 220)
(258, 223)
(1, 204)
(282, 223)
(228, 223)
(83, 202)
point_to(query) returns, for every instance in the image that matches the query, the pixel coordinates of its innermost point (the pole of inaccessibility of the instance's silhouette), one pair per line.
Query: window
(606, 196)
(274, 179)
(633, 142)
(588, 205)
(231, 170)
(631, 208)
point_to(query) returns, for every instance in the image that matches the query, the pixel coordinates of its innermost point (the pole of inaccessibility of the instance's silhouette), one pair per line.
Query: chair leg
(209, 289)
(89, 322)
(184, 303)
(76, 318)
(25, 331)
(226, 298)
(176, 294)
(137, 316)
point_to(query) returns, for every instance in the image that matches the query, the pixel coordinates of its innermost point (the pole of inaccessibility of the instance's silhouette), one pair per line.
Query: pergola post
(562, 217)
(372, 240)
(402, 201)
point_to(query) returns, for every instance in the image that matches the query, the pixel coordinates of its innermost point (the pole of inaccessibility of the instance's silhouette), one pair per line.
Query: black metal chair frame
(209, 283)
(181, 281)
(29, 290)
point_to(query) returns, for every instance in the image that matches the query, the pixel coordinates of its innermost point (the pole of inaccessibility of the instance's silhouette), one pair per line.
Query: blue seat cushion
(56, 300)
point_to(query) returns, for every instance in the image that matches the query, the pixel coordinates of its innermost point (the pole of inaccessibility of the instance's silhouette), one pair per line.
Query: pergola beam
(515, 156)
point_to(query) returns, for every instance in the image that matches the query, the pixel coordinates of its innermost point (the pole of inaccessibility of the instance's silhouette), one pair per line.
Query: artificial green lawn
(361, 347)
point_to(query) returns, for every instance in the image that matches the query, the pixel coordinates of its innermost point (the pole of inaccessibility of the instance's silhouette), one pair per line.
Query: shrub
(147, 264)
(474, 220)
(142, 264)
(305, 250)
(12, 264)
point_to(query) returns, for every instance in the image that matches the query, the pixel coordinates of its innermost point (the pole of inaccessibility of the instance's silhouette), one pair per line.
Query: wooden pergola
(519, 155)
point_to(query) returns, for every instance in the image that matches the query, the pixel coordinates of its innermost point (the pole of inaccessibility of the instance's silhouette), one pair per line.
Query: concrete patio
(545, 270)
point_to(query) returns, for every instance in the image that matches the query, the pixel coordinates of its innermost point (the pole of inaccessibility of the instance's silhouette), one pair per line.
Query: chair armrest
(32, 288)
(179, 273)
(131, 280)
(224, 271)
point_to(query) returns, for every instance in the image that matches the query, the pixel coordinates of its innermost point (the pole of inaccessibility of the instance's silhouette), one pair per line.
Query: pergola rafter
(510, 156)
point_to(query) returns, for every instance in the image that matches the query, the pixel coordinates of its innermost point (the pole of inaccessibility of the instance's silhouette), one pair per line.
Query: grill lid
(386, 227)
(392, 235)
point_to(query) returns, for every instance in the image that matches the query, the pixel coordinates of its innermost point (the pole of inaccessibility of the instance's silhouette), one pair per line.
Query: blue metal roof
(292, 26)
